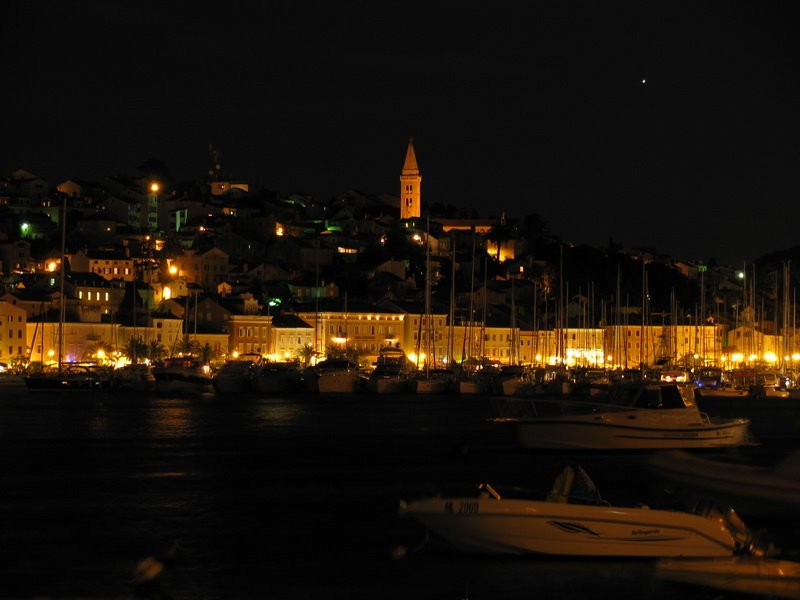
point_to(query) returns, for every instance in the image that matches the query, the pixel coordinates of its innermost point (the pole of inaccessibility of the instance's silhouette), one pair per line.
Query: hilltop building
(410, 186)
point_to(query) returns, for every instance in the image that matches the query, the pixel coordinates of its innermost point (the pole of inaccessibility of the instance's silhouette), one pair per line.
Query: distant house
(15, 256)
(290, 335)
(108, 264)
(206, 269)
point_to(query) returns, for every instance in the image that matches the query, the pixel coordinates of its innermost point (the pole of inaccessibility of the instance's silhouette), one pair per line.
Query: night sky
(525, 107)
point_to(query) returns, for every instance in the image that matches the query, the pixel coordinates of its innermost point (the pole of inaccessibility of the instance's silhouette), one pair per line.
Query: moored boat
(277, 377)
(740, 574)
(570, 523)
(392, 373)
(435, 381)
(334, 376)
(71, 378)
(639, 416)
(183, 375)
(754, 490)
(235, 375)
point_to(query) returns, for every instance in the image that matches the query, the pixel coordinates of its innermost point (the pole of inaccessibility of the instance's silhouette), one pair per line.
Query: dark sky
(523, 107)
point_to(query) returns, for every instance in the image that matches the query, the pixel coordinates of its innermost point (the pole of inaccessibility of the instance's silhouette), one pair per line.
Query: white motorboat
(741, 574)
(434, 381)
(566, 522)
(753, 490)
(392, 373)
(183, 375)
(334, 376)
(639, 416)
(236, 375)
(277, 377)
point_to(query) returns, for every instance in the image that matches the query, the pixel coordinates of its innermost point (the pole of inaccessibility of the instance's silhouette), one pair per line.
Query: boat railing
(520, 408)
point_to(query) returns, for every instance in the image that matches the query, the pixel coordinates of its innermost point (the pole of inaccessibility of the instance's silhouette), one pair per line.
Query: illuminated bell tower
(410, 183)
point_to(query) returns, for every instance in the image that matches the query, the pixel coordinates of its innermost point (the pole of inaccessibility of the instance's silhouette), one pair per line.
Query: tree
(207, 353)
(334, 351)
(97, 349)
(306, 353)
(187, 345)
(135, 350)
(156, 351)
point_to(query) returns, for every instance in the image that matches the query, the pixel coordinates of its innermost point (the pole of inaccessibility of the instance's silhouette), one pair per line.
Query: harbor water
(286, 497)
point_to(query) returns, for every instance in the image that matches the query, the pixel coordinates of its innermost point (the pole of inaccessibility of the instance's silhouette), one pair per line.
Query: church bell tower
(410, 183)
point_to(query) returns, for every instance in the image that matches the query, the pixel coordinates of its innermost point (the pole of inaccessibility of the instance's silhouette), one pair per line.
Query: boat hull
(600, 434)
(742, 575)
(753, 490)
(387, 385)
(345, 382)
(508, 526)
(46, 383)
(425, 386)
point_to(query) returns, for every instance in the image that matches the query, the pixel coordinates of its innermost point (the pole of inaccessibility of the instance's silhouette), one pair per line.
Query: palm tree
(306, 353)
(135, 350)
(156, 351)
(187, 345)
(97, 349)
(335, 351)
(207, 353)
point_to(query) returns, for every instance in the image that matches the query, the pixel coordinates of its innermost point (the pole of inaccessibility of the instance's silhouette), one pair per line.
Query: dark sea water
(283, 497)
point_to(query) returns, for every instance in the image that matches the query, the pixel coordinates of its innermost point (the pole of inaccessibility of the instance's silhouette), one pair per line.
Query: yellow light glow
(154, 187)
(412, 357)
(752, 357)
(101, 354)
(167, 294)
(278, 229)
(52, 266)
(770, 357)
(173, 270)
(50, 353)
(795, 356)
(538, 357)
(338, 340)
(737, 357)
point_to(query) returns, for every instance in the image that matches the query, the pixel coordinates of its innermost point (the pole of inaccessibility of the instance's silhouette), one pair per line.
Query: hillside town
(141, 268)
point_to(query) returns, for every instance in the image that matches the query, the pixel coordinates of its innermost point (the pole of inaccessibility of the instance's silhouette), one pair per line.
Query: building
(108, 264)
(410, 186)
(206, 269)
(361, 328)
(290, 334)
(13, 338)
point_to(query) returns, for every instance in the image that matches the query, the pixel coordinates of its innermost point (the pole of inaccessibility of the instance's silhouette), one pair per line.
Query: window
(241, 331)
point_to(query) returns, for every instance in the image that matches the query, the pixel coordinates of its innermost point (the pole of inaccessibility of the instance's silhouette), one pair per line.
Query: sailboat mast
(451, 315)
(62, 315)
(428, 329)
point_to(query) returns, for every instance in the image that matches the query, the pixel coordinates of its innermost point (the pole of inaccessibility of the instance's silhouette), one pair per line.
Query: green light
(25, 227)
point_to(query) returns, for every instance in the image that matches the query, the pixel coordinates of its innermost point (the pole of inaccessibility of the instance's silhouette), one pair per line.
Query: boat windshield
(573, 485)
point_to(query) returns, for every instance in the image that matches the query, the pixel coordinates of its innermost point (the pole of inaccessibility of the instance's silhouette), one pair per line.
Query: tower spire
(410, 184)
